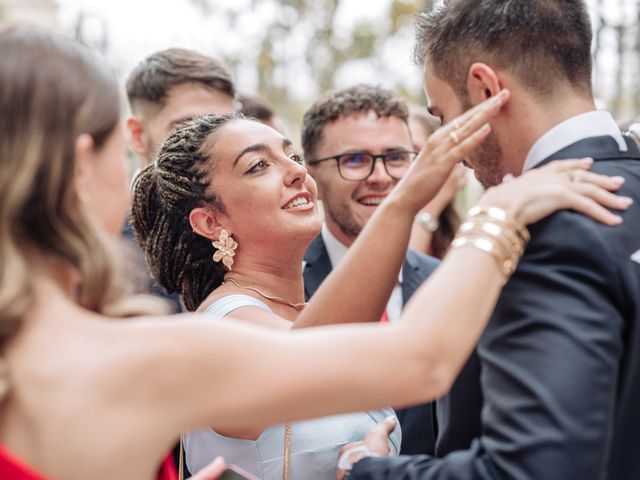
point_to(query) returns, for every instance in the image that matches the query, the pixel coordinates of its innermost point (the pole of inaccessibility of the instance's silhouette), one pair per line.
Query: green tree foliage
(308, 43)
(305, 40)
(617, 56)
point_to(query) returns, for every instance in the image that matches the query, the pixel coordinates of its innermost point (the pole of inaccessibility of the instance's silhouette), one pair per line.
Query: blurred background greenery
(290, 51)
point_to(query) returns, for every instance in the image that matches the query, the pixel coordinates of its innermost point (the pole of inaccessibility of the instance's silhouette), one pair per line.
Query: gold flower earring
(225, 249)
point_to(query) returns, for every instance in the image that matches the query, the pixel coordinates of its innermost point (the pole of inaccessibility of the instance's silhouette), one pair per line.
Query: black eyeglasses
(358, 166)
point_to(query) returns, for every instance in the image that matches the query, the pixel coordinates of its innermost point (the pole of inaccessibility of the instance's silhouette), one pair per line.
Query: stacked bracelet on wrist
(491, 230)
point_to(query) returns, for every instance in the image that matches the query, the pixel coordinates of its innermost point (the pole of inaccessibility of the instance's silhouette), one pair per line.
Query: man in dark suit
(344, 134)
(560, 359)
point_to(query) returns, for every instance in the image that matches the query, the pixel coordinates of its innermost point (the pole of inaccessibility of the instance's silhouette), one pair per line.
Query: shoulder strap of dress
(225, 305)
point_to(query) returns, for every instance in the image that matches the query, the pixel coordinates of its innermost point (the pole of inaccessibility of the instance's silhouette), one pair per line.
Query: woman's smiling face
(264, 186)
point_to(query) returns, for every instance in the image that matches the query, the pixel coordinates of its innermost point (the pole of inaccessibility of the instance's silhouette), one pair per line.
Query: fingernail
(617, 220)
(628, 200)
(618, 179)
(390, 418)
(587, 160)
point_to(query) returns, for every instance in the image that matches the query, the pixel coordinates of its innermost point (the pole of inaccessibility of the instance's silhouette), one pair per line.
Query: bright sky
(137, 28)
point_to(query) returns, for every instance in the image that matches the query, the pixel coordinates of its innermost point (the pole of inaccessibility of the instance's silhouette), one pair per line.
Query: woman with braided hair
(173, 216)
(225, 216)
(88, 395)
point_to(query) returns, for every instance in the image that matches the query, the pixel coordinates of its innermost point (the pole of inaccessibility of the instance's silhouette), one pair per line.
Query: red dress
(13, 469)
(168, 470)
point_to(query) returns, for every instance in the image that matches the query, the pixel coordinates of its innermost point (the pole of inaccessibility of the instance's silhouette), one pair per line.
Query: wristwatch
(427, 221)
(346, 463)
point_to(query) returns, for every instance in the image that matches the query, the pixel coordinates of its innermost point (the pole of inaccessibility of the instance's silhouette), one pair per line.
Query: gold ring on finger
(456, 124)
(454, 137)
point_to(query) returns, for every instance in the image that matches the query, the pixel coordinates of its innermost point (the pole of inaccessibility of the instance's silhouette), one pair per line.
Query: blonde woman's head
(62, 182)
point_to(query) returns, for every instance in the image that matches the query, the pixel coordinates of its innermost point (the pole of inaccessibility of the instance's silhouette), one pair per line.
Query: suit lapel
(317, 266)
(410, 280)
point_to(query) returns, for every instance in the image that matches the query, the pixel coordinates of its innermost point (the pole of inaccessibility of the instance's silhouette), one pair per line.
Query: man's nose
(379, 174)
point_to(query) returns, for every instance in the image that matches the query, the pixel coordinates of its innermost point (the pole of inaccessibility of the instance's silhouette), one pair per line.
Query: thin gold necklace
(287, 425)
(297, 306)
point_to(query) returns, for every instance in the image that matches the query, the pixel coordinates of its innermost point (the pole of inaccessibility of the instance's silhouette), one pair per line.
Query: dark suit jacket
(137, 268)
(418, 434)
(561, 355)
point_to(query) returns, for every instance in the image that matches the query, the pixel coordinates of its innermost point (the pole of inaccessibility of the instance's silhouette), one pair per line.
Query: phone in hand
(236, 473)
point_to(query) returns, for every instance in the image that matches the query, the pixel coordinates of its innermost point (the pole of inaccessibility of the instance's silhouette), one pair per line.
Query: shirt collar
(337, 250)
(572, 130)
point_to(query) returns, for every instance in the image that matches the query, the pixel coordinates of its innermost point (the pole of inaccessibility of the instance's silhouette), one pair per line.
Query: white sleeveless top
(315, 444)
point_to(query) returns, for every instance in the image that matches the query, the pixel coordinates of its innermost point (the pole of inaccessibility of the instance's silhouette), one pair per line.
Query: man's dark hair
(342, 103)
(156, 75)
(541, 42)
(254, 107)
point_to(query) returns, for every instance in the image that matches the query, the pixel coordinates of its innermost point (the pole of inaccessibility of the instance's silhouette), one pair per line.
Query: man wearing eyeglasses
(357, 145)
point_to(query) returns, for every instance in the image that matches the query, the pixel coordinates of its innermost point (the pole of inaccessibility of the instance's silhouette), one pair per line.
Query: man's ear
(206, 222)
(482, 83)
(138, 136)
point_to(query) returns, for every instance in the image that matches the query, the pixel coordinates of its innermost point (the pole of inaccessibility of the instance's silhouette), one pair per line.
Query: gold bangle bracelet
(506, 265)
(521, 232)
(507, 254)
(474, 230)
(486, 246)
(504, 234)
(500, 215)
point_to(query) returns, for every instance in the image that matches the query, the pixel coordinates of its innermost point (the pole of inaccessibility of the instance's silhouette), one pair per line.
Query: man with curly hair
(357, 145)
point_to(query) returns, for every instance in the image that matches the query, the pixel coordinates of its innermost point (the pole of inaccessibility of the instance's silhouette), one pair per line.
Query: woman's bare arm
(237, 376)
(240, 376)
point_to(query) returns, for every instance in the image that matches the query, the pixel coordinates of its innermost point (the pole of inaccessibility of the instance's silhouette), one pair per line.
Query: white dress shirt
(337, 250)
(572, 130)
